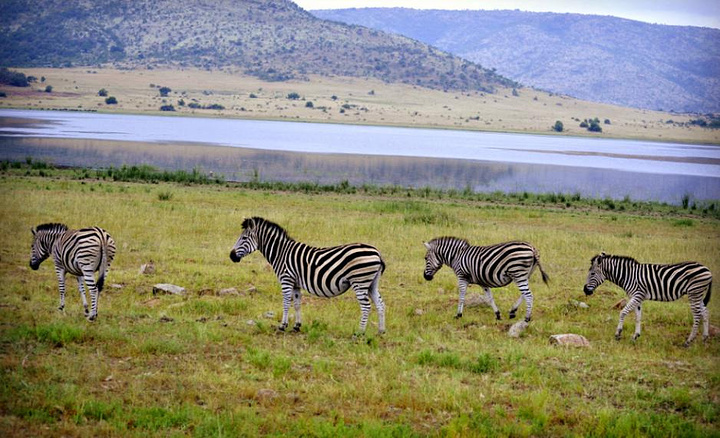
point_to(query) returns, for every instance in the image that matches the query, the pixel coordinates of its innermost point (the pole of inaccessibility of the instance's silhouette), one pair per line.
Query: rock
(147, 268)
(620, 304)
(517, 329)
(250, 322)
(476, 300)
(229, 291)
(569, 339)
(166, 288)
(419, 312)
(165, 318)
(269, 315)
(116, 286)
(579, 304)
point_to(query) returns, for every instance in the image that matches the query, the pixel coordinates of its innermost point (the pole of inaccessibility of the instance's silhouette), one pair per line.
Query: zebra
(654, 282)
(77, 252)
(324, 272)
(487, 266)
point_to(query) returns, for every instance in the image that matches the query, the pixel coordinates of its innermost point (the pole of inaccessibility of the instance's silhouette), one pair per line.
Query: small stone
(147, 268)
(167, 288)
(579, 304)
(229, 291)
(476, 300)
(517, 329)
(269, 315)
(250, 322)
(419, 312)
(116, 286)
(570, 339)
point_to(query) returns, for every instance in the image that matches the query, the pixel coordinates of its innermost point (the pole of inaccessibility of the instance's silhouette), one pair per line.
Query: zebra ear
(32, 230)
(602, 254)
(427, 245)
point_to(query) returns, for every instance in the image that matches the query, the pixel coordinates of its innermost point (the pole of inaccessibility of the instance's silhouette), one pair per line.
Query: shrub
(48, 89)
(293, 96)
(215, 106)
(13, 78)
(558, 126)
(594, 127)
(308, 104)
(164, 91)
(167, 108)
(253, 96)
(194, 105)
(103, 92)
(111, 100)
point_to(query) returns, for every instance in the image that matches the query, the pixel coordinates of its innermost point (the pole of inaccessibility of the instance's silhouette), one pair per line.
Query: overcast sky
(676, 12)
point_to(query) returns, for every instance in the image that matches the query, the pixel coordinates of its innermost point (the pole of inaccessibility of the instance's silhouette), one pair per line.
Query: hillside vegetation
(270, 39)
(210, 363)
(598, 58)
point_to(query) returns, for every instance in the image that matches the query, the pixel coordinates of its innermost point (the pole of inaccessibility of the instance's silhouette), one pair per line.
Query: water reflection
(243, 164)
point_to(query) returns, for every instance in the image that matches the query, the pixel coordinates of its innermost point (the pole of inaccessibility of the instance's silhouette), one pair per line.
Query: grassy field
(210, 365)
(341, 100)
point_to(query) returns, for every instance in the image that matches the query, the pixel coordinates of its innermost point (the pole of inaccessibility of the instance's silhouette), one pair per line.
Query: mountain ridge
(600, 58)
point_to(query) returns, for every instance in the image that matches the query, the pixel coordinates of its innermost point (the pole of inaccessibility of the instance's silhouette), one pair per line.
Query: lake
(330, 153)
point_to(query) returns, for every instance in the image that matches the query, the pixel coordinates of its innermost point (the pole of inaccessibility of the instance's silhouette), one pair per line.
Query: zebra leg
(462, 286)
(297, 297)
(88, 275)
(364, 300)
(287, 292)
(633, 304)
(638, 316)
(379, 304)
(81, 287)
(706, 323)
(489, 299)
(525, 294)
(61, 285)
(698, 311)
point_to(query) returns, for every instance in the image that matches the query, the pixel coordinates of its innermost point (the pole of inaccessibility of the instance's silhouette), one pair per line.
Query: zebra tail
(545, 277)
(707, 295)
(103, 268)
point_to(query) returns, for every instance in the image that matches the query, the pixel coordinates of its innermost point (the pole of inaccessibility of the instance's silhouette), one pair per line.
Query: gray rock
(517, 329)
(229, 291)
(147, 268)
(419, 312)
(570, 339)
(166, 288)
(476, 300)
(579, 304)
(269, 315)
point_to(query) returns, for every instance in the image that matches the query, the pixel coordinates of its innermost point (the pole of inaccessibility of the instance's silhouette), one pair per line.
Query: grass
(211, 365)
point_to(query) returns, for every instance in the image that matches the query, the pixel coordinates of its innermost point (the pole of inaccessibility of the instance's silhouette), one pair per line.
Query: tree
(164, 91)
(48, 89)
(13, 78)
(167, 108)
(293, 96)
(308, 104)
(558, 126)
(594, 126)
(103, 92)
(111, 100)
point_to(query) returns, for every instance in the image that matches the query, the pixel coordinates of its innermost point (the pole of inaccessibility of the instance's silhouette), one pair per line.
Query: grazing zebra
(77, 252)
(487, 266)
(656, 283)
(325, 272)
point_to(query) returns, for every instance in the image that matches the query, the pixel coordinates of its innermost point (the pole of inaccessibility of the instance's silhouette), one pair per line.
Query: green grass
(210, 365)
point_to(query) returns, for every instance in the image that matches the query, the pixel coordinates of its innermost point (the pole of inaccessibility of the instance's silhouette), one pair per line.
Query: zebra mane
(256, 222)
(613, 257)
(438, 240)
(51, 227)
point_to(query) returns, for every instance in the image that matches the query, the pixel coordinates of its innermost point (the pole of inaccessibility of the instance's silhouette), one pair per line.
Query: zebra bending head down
(654, 282)
(325, 272)
(487, 266)
(77, 252)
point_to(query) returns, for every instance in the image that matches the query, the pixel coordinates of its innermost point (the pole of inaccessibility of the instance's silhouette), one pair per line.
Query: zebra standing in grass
(487, 266)
(77, 252)
(656, 283)
(325, 272)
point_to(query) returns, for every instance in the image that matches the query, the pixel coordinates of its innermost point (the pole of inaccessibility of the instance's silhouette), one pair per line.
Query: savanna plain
(212, 364)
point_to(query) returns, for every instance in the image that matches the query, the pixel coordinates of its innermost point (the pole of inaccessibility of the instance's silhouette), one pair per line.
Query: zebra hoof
(92, 318)
(527, 319)
(617, 336)
(282, 327)
(296, 327)
(511, 315)
(458, 316)
(497, 315)
(686, 344)
(61, 308)
(635, 337)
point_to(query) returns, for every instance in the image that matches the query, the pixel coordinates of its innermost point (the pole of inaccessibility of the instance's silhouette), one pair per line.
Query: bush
(167, 108)
(558, 126)
(308, 104)
(48, 89)
(111, 100)
(13, 78)
(215, 106)
(194, 105)
(293, 96)
(103, 92)
(253, 96)
(164, 91)
(594, 127)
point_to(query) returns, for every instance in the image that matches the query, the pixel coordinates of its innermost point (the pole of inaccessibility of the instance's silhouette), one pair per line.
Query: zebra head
(43, 238)
(596, 274)
(247, 242)
(433, 263)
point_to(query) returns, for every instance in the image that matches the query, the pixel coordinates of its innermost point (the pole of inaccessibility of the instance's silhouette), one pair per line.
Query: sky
(705, 13)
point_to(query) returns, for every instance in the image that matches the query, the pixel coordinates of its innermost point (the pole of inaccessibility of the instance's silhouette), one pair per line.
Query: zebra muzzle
(588, 290)
(428, 277)
(34, 266)
(234, 257)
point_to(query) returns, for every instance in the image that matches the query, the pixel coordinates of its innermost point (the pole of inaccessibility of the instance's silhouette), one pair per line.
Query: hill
(598, 58)
(270, 39)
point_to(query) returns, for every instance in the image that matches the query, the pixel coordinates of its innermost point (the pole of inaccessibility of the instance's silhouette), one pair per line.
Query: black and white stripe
(77, 252)
(325, 272)
(654, 282)
(487, 266)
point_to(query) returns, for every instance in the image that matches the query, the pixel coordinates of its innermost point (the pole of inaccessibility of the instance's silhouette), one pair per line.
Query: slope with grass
(207, 364)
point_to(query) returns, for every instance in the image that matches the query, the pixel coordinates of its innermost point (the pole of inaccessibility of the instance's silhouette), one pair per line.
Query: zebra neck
(274, 248)
(620, 272)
